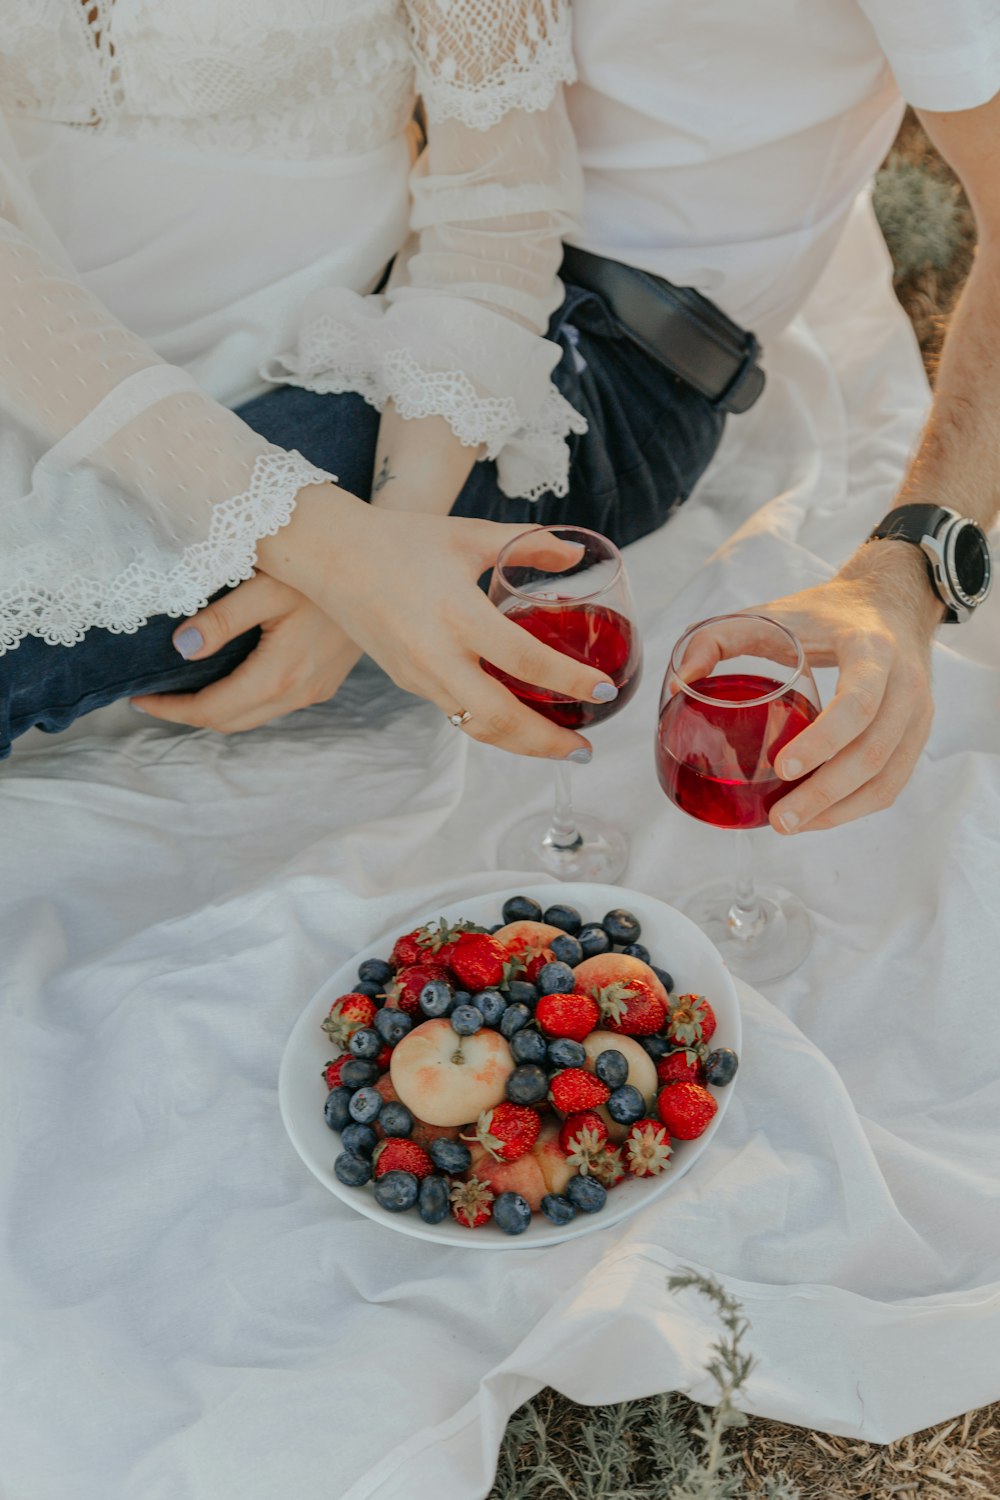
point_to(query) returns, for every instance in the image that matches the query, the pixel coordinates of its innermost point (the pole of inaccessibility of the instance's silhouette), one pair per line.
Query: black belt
(678, 326)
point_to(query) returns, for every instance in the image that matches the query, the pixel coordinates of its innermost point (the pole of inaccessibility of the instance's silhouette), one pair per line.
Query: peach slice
(615, 968)
(641, 1071)
(446, 1079)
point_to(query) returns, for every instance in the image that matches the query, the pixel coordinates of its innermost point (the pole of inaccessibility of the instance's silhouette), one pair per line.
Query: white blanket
(187, 1315)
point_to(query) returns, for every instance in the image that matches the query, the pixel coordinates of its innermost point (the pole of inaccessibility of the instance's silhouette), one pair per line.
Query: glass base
(757, 946)
(600, 853)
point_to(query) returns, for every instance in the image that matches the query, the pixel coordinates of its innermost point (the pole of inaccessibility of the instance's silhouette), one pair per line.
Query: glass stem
(563, 833)
(746, 916)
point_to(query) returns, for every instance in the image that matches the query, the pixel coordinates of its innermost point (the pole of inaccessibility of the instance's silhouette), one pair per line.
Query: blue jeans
(650, 437)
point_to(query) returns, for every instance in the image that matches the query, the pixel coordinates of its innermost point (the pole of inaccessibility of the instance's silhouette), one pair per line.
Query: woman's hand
(302, 658)
(403, 586)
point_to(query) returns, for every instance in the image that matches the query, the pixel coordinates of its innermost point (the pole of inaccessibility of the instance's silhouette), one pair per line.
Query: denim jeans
(650, 437)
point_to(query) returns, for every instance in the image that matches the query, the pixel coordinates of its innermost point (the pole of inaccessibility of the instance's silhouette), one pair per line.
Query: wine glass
(583, 608)
(737, 690)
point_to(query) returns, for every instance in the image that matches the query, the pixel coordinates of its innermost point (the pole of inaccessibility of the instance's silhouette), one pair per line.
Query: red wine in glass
(715, 760)
(590, 633)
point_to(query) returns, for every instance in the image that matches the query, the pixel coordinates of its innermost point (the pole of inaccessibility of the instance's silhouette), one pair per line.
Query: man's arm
(875, 619)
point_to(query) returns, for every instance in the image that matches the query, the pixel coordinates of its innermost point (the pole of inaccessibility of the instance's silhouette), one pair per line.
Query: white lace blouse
(195, 197)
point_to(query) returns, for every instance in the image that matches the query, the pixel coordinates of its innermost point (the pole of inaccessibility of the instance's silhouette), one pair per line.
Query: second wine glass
(583, 609)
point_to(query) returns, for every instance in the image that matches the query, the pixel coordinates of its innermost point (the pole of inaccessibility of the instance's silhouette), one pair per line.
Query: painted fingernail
(581, 757)
(188, 641)
(789, 820)
(604, 692)
(790, 769)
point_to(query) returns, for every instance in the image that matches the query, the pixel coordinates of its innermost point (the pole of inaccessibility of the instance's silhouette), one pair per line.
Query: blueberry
(513, 1018)
(720, 1066)
(396, 1191)
(557, 1209)
(336, 1110)
(565, 1053)
(392, 1025)
(667, 980)
(621, 926)
(528, 1046)
(434, 1200)
(463, 997)
(360, 1140)
(358, 1072)
(353, 1171)
(395, 1118)
(556, 979)
(365, 1105)
(612, 1069)
(367, 987)
(626, 1105)
(467, 1020)
(520, 992)
(637, 950)
(566, 918)
(436, 998)
(656, 1046)
(521, 909)
(593, 940)
(365, 1043)
(567, 950)
(585, 1193)
(527, 1085)
(450, 1156)
(491, 1005)
(376, 971)
(511, 1213)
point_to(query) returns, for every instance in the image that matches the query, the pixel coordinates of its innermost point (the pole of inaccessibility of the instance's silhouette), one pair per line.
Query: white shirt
(190, 189)
(723, 141)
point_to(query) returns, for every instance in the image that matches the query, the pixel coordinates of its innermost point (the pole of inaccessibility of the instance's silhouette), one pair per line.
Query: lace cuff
(488, 378)
(46, 592)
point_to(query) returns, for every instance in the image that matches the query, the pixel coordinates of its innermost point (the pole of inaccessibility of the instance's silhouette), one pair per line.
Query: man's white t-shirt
(724, 141)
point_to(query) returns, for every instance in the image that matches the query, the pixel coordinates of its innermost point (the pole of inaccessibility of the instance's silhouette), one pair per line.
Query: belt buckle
(735, 397)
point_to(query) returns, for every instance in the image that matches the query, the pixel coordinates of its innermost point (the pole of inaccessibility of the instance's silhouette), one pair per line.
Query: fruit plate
(675, 943)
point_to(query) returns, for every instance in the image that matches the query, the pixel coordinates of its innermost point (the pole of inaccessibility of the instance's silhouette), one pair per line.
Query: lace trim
(61, 614)
(334, 358)
(529, 83)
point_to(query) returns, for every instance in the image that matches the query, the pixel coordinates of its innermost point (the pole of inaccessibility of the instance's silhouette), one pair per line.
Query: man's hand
(302, 657)
(874, 622)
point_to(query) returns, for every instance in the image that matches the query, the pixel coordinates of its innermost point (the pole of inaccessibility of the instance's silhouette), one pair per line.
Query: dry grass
(958, 1460)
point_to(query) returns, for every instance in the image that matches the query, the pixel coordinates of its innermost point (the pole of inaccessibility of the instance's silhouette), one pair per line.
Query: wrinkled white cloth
(187, 1314)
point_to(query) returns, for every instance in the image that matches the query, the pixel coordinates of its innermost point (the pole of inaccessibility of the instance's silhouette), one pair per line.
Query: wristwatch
(956, 549)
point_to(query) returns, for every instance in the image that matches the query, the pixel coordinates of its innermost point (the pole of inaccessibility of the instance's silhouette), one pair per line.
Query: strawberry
(632, 1007)
(608, 1167)
(332, 1071)
(582, 1137)
(471, 1202)
(404, 991)
(574, 1015)
(400, 1155)
(433, 941)
(573, 1090)
(684, 1066)
(383, 1059)
(476, 960)
(348, 1015)
(692, 1021)
(407, 950)
(686, 1109)
(508, 1131)
(647, 1148)
(534, 963)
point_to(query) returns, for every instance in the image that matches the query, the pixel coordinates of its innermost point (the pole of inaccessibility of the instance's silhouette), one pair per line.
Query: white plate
(675, 944)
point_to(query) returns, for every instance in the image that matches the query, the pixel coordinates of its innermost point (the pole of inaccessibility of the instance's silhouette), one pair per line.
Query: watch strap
(910, 523)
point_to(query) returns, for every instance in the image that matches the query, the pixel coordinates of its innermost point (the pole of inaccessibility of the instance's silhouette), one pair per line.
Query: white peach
(447, 1079)
(615, 968)
(641, 1071)
(544, 1169)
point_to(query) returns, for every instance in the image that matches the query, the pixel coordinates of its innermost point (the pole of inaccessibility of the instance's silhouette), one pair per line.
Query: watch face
(970, 562)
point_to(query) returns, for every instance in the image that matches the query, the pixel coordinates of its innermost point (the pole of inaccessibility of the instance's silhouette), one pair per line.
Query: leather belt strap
(678, 326)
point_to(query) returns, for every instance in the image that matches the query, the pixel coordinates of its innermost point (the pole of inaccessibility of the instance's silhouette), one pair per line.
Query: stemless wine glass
(584, 609)
(737, 689)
